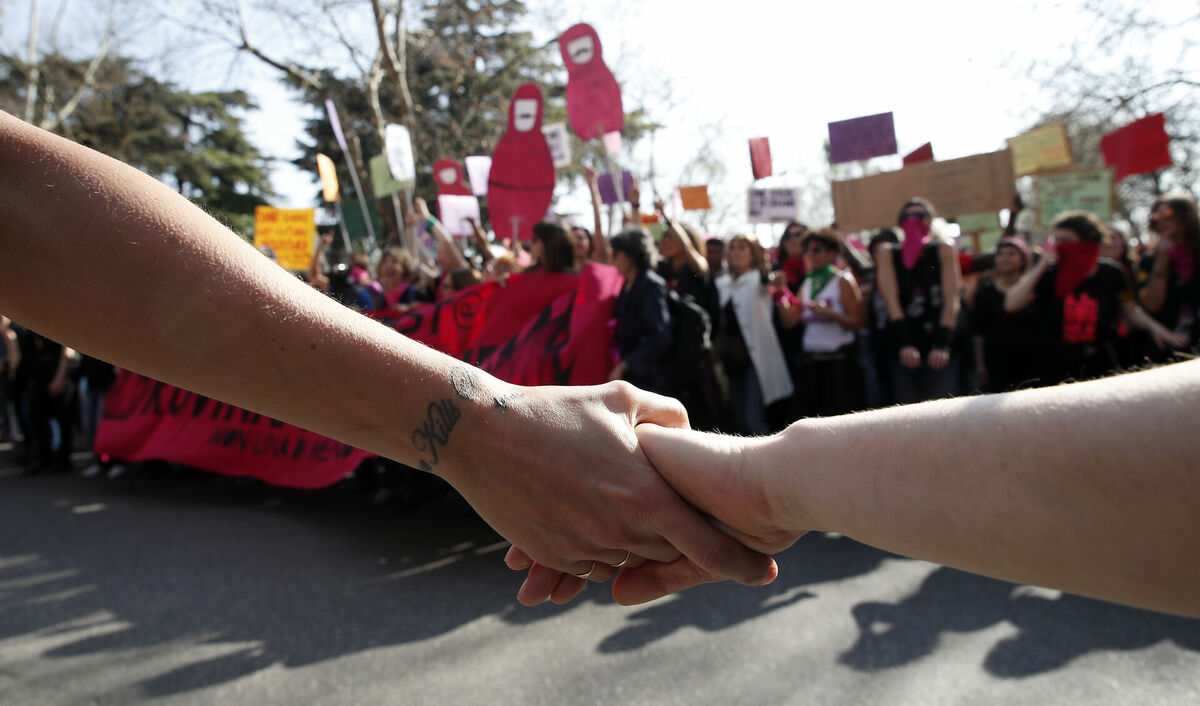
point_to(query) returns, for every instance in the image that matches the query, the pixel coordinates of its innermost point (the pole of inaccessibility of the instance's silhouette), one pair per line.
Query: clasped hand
(719, 475)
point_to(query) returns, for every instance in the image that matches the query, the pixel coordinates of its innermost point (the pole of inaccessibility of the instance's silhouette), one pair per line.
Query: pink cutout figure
(593, 96)
(521, 183)
(449, 177)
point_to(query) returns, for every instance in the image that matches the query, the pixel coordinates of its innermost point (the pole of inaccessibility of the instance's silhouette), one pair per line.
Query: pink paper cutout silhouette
(593, 96)
(521, 183)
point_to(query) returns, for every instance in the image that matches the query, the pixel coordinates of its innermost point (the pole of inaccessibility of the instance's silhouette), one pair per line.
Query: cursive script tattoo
(442, 416)
(465, 381)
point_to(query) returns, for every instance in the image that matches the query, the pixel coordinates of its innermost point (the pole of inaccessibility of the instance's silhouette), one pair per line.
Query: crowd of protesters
(751, 339)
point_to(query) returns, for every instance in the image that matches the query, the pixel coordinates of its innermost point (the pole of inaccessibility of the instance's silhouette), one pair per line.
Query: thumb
(698, 465)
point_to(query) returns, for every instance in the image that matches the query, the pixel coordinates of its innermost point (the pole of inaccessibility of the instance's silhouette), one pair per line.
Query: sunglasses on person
(923, 215)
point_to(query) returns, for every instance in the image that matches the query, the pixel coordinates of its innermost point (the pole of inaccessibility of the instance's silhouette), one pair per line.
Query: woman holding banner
(919, 281)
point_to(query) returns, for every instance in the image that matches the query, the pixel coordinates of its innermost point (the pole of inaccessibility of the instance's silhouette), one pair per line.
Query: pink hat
(1016, 243)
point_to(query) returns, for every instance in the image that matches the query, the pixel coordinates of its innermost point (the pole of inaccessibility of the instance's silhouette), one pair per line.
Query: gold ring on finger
(587, 573)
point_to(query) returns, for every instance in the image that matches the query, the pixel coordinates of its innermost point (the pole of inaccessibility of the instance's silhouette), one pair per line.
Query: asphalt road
(182, 590)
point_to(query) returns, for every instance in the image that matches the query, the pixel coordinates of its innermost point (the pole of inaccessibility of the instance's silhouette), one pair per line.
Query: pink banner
(537, 329)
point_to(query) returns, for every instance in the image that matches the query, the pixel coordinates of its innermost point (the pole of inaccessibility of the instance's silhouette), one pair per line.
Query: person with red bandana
(1078, 296)
(919, 281)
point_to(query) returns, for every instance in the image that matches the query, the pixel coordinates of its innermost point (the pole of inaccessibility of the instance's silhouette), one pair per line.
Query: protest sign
(924, 153)
(612, 142)
(336, 123)
(593, 95)
(559, 142)
(861, 138)
(449, 177)
(772, 205)
(694, 198)
(521, 181)
(988, 239)
(456, 213)
(478, 168)
(289, 232)
(607, 187)
(978, 222)
(382, 183)
(760, 157)
(329, 180)
(1087, 190)
(1140, 147)
(982, 182)
(398, 147)
(1040, 150)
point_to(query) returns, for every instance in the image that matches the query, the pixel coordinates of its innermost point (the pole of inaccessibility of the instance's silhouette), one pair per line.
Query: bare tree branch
(394, 58)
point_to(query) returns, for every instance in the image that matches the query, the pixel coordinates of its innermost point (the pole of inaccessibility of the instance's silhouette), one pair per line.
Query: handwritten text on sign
(772, 205)
(289, 232)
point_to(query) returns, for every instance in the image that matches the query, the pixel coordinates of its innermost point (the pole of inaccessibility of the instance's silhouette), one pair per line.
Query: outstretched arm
(174, 295)
(1056, 487)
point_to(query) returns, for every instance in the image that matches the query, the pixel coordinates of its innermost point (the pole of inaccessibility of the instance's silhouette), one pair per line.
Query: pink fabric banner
(537, 329)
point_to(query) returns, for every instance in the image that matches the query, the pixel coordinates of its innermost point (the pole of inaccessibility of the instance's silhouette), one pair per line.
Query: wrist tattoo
(439, 422)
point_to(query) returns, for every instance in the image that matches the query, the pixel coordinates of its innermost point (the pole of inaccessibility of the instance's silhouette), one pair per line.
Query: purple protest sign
(861, 138)
(608, 189)
(331, 110)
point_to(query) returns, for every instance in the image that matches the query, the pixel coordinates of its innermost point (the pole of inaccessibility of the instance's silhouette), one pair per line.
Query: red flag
(924, 153)
(1137, 148)
(760, 157)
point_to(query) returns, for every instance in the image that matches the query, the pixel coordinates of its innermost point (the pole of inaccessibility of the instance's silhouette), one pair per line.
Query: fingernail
(772, 573)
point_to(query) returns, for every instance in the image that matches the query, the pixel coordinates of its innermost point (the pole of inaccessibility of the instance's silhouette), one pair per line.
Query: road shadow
(1053, 630)
(817, 558)
(272, 576)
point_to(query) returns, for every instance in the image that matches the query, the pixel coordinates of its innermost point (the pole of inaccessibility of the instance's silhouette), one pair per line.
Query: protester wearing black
(1078, 299)
(1171, 292)
(47, 394)
(1008, 341)
(919, 280)
(643, 335)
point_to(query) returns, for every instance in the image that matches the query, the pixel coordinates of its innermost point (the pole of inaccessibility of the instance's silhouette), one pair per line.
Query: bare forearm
(178, 297)
(1056, 487)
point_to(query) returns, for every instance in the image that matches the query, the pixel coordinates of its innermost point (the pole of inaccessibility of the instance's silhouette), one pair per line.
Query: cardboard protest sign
(978, 222)
(478, 168)
(382, 183)
(398, 147)
(448, 176)
(760, 157)
(694, 198)
(456, 212)
(982, 182)
(1139, 147)
(607, 187)
(989, 238)
(559, 143)
(521, 181)
(593, 96)
(1086, 190)
(288, 232)
(772, 205)
(924, 153)
(1043, 149)
(862, 138)
(329, 180)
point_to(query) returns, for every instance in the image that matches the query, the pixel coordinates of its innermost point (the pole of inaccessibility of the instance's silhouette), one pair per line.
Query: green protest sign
(1088, 190)
(382, 182)
(978, 222)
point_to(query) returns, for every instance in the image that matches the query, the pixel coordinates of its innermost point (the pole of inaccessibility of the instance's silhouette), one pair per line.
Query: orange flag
(329, 180)
(695, 198)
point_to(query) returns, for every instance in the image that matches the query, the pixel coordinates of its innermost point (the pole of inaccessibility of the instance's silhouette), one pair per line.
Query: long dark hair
(558, 254)
(1185, 210)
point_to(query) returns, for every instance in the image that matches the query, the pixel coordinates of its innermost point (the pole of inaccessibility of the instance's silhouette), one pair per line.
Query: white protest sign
(772, 205)
(398, 146)
(456, 213)
(478, 169)
(559, 142)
